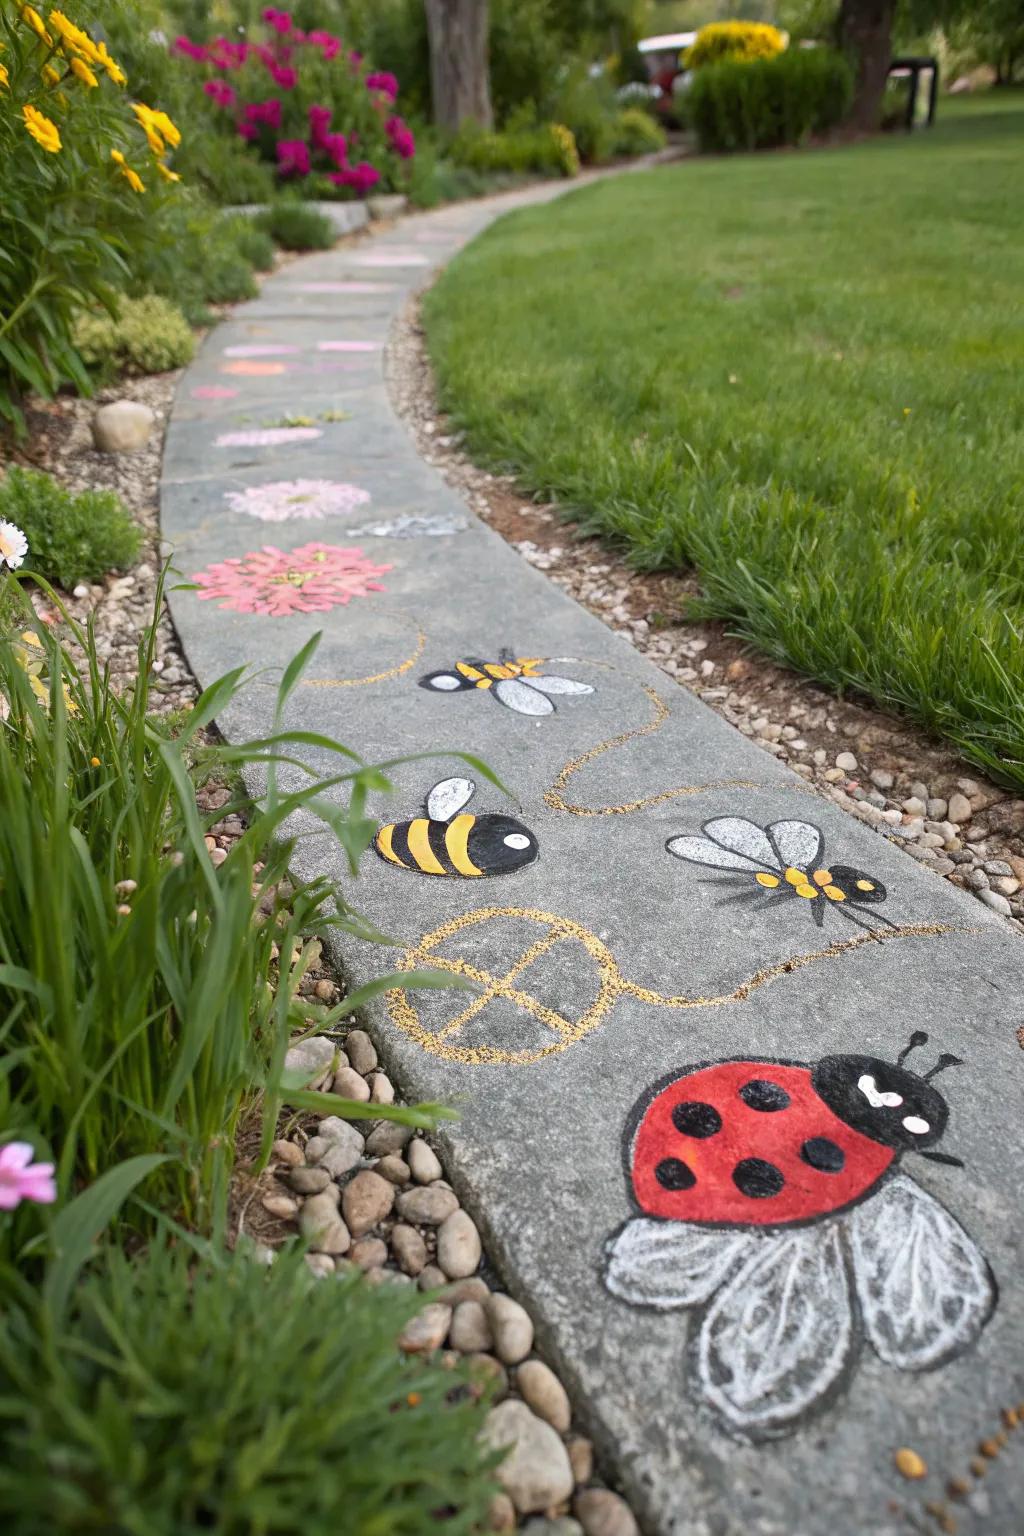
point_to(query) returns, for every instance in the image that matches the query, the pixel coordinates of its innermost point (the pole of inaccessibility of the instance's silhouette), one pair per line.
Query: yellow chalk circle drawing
(375, 677)
(611, 984)
(555, 799)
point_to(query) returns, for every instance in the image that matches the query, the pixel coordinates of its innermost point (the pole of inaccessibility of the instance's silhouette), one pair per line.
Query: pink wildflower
(284, 76)
(190, 50)
(281, 21)
(293, 157)
(383, 81)
(21, 1179)
(220, 92)
(336, 145)
(319, 122)
(359, 177)
(402, 139)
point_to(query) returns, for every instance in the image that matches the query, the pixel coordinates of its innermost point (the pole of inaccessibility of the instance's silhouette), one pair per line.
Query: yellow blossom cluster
(737, 40)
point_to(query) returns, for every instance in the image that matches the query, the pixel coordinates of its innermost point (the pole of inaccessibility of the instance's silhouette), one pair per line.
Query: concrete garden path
(684, 1130)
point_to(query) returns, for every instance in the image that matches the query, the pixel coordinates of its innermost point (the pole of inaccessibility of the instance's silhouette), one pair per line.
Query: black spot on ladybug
(823, 1155)
(699, 1120)
(763, 1095)
(757, 1179)
(672, 1174)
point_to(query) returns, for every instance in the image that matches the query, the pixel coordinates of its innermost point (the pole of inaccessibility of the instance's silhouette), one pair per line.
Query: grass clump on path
(798, 373)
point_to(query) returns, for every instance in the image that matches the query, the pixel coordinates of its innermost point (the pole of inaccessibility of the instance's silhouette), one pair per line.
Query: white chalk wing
(525, 701)
(668, 1264)
(924, 1288)
(447, 798)
(553, 684)
(780, 1332)
(799, 844)
(728, 842)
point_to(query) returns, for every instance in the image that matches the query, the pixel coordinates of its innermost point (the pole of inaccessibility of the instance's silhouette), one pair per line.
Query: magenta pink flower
(403, 141)
(319, 122)
(266, 112)
(190, 50)
(383, 81)
(276, 582)
(359, 177)
(281, 21)
(336, 145)
(21, 1179)
(293, 157)
(220, 92)
(284, 76)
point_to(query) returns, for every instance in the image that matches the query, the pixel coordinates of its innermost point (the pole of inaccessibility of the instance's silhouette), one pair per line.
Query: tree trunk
(865, 31)
(459, 70)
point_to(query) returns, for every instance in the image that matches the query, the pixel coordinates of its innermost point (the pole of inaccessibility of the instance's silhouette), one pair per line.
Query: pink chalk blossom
(21, 1179)
(282, 500)
(277, 582)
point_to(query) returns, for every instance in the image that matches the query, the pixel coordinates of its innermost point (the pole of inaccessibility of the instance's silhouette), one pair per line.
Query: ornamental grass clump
(84, 170)
(309, 106)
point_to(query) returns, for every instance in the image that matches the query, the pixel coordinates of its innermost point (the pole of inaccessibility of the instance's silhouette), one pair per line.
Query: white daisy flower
(13, 546)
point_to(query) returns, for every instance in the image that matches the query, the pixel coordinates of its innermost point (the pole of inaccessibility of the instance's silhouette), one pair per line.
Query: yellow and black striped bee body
(448, 841)
(512, 680)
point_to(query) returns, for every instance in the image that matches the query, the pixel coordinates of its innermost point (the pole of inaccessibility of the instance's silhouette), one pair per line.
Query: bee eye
(516, 840)
(915, 1125)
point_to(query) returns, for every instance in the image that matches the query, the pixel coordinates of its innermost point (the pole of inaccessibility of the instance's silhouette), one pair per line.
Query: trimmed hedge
(769, 102)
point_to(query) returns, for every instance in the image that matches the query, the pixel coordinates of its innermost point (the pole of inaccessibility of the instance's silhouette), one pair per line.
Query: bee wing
(798, 843)
(670, 1263)
(447, 798)
(925, 1289)
(728, 842)
(780, 1333)
(525, 701)
(550, 684)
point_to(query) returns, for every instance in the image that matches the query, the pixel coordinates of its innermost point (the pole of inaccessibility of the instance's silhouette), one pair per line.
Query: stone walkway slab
(684, 1130)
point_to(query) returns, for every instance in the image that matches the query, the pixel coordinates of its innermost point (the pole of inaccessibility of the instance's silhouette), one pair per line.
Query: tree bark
(865, 31)
(459, 68)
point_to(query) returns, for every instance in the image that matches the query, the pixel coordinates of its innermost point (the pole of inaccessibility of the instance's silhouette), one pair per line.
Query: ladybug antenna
(944, 1061)
(943, 1157)
(917, 1038)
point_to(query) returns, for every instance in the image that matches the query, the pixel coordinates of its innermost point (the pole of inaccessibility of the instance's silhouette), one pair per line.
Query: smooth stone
(360, 1050)
(470, 1330)
(366, 1200)
(382, 1090)
(315, 1148)
(312, 1057)
(565, 1525)
(335, 1128)
(423, 1161)
(281, 1206)
(490, 1375)
(543, 1392)
(431, 1278)
(996, 902)
(340, 1158)
(323, 1228)
(581, 1458)
(502, 1516)
(513, 1330)
(124, 426)
(349, 1085)
(321, 1264)
(471, 1289)
(536, 1473)
(394, 1168)
(603, 1513)
(387, 1137)
(287, 1152)
(458, 1246)
(409, 1248)
(846, 761)
(959, 808)
(427, 1207)
(369, 1253)
(308, 1181)
(427, 1330)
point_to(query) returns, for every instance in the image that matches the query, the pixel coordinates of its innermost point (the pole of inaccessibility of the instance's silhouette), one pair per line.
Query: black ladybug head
(885, 1100)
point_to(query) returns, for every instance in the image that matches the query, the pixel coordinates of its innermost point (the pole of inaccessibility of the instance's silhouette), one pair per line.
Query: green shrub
(588, 107)
(251, 242)
(636, 133)
(769, 102)
(206, 257)
(149, 335)
(548, 149)
(297, 227)
(187, 1397)
(70, 538)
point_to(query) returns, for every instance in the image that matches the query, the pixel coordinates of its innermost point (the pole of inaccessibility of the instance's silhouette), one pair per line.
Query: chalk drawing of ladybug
(445, 843)
(770, 1197)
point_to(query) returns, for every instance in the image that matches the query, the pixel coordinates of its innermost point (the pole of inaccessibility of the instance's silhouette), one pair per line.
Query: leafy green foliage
(765, 103)
(636, 133)
(840, 355)
(147, 335)
(189, 1396)
(207, 257)
(547, 149)
(70, 538)
(295, 226)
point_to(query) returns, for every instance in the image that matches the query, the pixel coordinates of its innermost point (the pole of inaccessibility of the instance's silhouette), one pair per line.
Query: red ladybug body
(749, 1143)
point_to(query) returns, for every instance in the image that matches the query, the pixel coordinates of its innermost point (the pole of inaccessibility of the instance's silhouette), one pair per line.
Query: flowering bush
(309, 106)
(83, 169)
(739, 40)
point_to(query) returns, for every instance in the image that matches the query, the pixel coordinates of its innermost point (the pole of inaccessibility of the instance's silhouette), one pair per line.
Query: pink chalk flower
(21, 1179)
(282, 500)
(278, 583)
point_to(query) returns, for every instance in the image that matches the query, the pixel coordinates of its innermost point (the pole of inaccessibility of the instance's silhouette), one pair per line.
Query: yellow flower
(42, 130)
(155, 143)
(35, 21)
(84, 73)
(156, 122)
(133, 179)
(113, 69)
(165, 173)
(74, 37)
(51, 75)
(3, 75)
(94, 762)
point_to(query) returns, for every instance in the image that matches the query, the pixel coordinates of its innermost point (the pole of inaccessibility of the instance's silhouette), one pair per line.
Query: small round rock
(349, 1085)
(427, 1330)
(359, 1049)
(470, 1330)
(543, 1392)
(395, 1169)
(512, 1328)
(423, 1161)
(427, 1207)
(536, 1473)
(458, 1246)
(603, 1513)
(366, 1200)
(409, 1248)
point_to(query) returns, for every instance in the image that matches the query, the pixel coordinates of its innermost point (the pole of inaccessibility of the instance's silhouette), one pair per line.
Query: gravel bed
(878, 767)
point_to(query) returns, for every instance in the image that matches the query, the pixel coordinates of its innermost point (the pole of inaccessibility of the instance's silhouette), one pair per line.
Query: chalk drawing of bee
(776, 864)
(512, 680)
(444, 842)
(772, 1204)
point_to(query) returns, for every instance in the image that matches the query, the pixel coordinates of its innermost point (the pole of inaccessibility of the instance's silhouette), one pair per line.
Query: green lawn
(802, 374)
